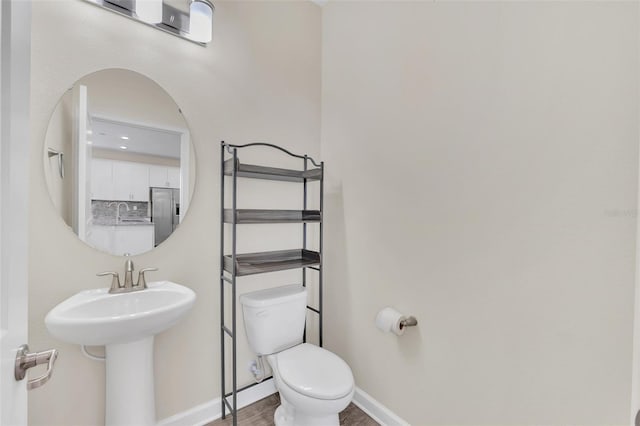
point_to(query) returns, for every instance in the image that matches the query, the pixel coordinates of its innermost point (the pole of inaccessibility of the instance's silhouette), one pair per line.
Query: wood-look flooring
(260, 413)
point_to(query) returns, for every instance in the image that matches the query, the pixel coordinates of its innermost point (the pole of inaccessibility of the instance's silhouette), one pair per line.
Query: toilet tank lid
(273, 296)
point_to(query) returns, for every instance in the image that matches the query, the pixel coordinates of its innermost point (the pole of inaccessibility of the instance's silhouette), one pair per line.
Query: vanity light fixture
(149, 10)
(196, 25)
(201, 20)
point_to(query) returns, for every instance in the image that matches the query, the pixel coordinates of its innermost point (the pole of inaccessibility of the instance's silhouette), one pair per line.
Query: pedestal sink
(125, 323)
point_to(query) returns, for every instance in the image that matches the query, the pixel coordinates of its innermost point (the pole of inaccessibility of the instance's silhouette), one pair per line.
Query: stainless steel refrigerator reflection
(165, 212)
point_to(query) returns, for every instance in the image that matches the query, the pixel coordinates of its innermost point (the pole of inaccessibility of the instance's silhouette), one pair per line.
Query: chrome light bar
(174, 21)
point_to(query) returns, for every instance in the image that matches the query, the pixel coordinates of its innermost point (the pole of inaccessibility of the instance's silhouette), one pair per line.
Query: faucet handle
(115, 281)
(141, 280)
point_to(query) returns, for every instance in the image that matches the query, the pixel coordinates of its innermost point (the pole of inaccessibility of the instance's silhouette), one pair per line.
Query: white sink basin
(126, 324)
(95, 317)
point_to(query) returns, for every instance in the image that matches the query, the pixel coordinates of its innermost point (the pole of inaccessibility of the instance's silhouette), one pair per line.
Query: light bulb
(149, 10)
(200, 21)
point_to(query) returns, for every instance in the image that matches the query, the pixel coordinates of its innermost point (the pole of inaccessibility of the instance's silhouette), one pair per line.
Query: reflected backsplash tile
(104, 212)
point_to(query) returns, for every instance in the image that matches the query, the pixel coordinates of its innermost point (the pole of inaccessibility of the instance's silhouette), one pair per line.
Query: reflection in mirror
(119, 163)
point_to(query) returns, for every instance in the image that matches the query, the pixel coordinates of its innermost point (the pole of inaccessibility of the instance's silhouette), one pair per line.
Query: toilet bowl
(314, 383)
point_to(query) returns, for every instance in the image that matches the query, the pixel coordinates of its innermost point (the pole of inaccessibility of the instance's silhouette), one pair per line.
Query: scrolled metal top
(304, 157)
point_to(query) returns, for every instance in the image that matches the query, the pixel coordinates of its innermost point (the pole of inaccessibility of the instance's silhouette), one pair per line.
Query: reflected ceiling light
(194, 25)
(124, 137)
(149, 10)
(123, 147)
(201, 20)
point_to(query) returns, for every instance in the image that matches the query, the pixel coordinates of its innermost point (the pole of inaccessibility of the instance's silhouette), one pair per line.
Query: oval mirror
(118, 162)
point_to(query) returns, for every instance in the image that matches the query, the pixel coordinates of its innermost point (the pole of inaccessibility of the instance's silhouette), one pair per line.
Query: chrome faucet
(128, 286)
(128, 273)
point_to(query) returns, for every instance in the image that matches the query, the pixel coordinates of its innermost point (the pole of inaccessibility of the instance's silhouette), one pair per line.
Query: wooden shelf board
(271, 261)
(271, 173)
(244, 216)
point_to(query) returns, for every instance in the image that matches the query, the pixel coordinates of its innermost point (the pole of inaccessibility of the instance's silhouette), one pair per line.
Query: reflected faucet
(118, 216)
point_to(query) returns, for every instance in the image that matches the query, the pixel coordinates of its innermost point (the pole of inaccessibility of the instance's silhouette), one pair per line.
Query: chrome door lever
(25, 360)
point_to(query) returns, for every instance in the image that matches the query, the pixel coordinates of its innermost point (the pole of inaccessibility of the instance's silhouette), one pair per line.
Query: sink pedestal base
(130, 396)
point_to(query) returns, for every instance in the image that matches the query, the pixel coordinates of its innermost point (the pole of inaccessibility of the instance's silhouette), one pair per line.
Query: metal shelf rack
(236, 264)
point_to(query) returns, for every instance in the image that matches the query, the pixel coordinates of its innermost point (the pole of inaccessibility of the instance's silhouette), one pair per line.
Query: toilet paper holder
(408, 322)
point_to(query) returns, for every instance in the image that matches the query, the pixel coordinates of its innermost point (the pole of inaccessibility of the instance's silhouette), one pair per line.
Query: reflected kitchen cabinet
(121, 239)
(119, 180)
(164, 176)
(130, 181)
(102, 179)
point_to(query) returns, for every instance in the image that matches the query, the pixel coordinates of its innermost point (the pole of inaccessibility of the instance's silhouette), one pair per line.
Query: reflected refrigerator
(165, 212)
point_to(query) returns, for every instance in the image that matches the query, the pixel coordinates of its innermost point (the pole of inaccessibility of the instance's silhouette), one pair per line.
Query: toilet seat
(314, 372)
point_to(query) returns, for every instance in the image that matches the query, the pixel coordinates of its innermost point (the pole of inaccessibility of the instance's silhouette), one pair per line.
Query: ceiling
(113, 135)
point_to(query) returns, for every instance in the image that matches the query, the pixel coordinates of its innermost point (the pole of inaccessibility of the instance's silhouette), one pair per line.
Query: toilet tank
(274, 318)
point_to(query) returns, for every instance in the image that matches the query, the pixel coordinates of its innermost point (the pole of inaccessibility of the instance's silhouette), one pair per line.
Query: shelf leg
(222, 364)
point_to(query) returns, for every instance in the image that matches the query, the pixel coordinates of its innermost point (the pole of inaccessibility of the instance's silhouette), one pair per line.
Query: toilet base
(287, 415)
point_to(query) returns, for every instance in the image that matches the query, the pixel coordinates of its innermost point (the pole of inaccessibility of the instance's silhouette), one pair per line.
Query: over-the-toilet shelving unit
(234, 264)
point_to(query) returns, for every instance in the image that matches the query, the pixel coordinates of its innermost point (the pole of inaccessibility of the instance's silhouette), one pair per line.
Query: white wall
(258, 80)
(482, 158)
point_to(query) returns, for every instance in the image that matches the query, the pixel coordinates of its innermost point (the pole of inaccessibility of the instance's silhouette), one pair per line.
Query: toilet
(314, 384)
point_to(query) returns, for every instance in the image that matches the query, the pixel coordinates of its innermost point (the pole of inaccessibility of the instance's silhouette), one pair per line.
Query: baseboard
(210, 411)
(375, 410)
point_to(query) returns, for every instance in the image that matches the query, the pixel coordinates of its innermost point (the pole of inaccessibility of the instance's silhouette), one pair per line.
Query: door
(82, 160)
(15, 33)
(15, 51)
